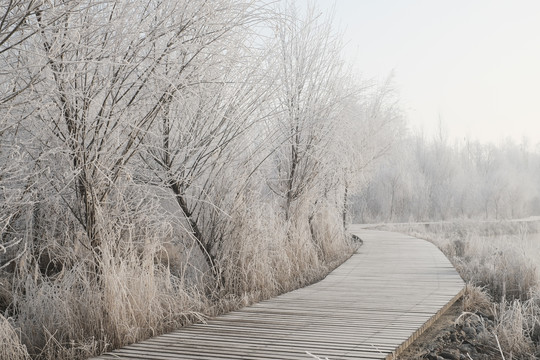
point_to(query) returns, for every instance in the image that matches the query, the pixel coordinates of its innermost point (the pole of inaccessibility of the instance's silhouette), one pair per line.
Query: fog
(435, 179)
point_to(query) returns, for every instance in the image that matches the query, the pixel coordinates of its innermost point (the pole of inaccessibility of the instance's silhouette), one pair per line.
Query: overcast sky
(474, 64)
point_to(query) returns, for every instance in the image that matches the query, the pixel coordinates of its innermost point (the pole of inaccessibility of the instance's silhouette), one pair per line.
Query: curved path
(371, 307)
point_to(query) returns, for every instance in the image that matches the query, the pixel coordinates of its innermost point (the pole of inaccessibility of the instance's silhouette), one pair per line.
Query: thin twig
(499, 346)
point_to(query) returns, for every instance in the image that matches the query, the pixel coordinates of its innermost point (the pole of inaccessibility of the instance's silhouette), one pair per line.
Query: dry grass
(504, 271)
(264, 256)
(10, 343)
(77, 314)
(476, 299)
(151, 278)
(515, 324)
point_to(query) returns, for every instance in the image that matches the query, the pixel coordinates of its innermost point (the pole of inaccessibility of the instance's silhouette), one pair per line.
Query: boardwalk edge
(424, 327)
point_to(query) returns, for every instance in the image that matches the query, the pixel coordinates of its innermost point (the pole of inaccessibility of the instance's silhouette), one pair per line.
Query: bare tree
(17, 170)
(310, 99)
(370, 131)
(15, 30)
(214, 98)
(110, 70)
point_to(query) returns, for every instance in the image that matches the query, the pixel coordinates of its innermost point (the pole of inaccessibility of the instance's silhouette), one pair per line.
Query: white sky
(475, 64)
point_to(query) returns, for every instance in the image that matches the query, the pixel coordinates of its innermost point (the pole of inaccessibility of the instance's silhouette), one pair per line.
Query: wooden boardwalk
(371, 307)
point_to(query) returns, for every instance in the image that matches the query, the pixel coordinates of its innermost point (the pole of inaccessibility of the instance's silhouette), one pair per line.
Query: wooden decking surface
(371, 307)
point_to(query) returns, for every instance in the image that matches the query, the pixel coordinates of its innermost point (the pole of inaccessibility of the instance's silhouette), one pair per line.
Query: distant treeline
(436, 179)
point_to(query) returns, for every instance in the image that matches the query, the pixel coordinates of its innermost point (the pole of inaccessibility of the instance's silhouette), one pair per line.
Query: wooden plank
(371, 307)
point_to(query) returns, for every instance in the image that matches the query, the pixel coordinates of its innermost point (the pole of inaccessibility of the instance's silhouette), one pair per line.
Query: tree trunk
(203, 244)
(345, 199)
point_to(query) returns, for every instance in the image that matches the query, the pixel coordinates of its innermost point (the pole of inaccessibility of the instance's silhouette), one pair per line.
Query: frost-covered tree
(311, 94)
(459, 180)
(215, 97)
